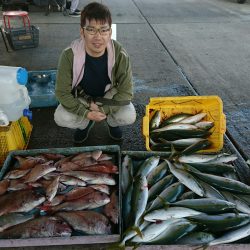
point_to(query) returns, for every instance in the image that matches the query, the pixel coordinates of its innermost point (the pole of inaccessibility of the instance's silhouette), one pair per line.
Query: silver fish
(168, 213)
(155, 120)
(127, 175)
(194, 119)
(187, 179)
(206, 205)
(139, 198)
(170, 194)
(196, 158)
(232, 236)
(148, 165)
(157, 173)
(204, 125)
(159, 186)
(241, 205)
(152, 231)
(174, 231)
(128, 234)
(196, 238)
(175, 126)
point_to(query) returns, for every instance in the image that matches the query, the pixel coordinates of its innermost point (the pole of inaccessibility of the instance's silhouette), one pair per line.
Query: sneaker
(82, 134)
(115, 133)
(74, 14)
(78, 11)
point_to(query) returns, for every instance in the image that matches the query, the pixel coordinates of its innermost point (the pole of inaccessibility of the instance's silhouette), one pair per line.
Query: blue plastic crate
(41, 88)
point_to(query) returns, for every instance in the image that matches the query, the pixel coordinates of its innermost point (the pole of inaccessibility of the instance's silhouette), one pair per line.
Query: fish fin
(137, 230)
(190, 168)
(115, 246)
(236, 211)
(164, 203)
(133, 228)
(174, 152)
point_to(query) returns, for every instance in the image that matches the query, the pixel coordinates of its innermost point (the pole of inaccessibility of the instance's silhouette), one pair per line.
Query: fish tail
(137, 230)
(174, 152)
(116, 246)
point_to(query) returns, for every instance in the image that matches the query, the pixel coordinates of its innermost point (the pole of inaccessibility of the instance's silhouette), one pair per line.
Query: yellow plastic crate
(169, 106)
(15, 136)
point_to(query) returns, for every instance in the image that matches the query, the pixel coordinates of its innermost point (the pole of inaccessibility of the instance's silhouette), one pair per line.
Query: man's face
(96, 35)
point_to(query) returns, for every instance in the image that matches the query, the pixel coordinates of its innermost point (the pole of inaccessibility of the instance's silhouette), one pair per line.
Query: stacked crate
(15, 136)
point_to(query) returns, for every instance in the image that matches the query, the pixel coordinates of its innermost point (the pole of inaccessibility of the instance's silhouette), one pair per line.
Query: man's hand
(96, 116)
(94, 107)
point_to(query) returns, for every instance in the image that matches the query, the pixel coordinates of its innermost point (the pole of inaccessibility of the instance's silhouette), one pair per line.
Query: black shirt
(95, 76)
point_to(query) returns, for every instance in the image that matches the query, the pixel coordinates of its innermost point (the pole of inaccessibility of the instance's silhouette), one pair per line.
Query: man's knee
(130, 114)
(126, 115)
(62, 117)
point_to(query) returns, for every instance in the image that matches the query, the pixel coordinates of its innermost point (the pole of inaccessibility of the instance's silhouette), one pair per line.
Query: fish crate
(212, 105)
(137, 158)
(77, 238)
(14, 136)
(22, 37)
(41, 88)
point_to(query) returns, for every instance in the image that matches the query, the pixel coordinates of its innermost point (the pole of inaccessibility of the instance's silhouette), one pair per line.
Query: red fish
(28, 163)
(88, 222)
(101, 168)
(89, 201)
(43, 226)
(20, 201)
(4, 186)
(111, 210)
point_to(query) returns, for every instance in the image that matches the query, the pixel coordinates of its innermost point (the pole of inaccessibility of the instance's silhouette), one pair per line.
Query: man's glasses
(92, 31)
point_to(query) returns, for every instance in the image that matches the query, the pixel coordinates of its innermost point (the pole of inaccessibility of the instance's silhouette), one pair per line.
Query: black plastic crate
(22, 38)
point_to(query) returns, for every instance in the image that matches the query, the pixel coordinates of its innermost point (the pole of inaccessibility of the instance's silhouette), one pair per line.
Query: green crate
(73, 240)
